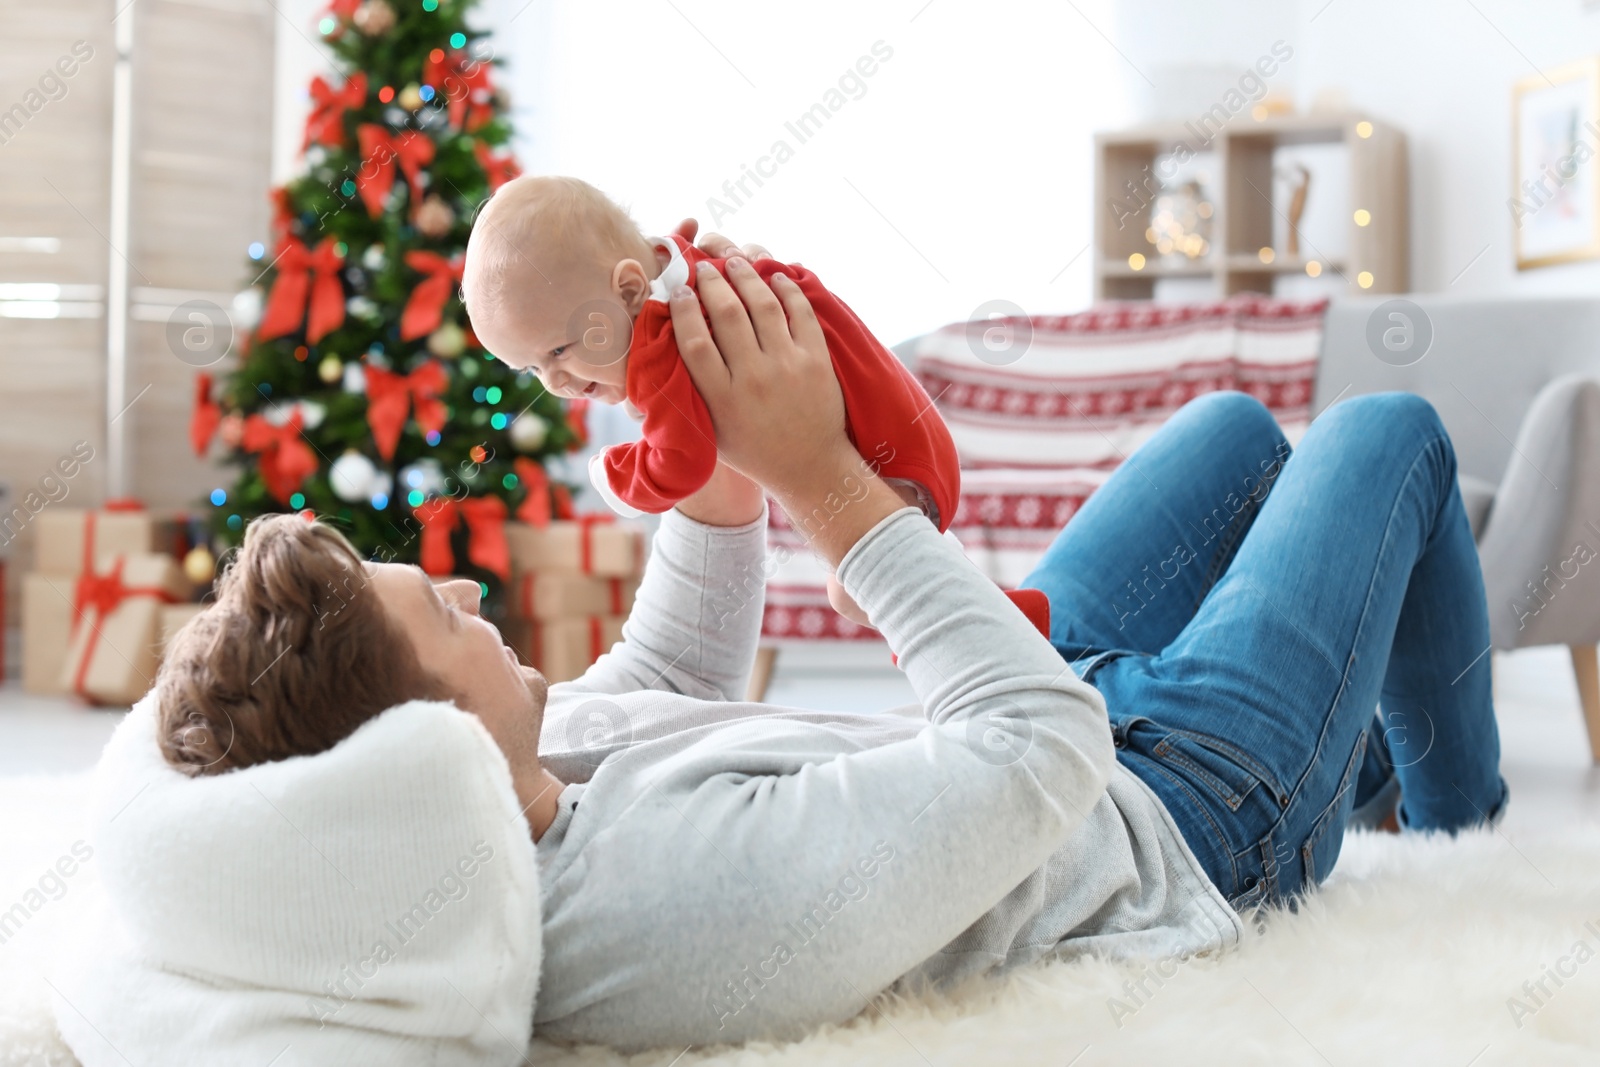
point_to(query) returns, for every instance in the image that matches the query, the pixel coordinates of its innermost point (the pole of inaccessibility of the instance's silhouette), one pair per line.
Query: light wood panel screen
(201, 142)
(202, 146)
(54, 196)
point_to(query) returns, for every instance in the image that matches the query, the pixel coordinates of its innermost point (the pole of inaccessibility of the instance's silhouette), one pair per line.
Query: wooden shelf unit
(1244, 214)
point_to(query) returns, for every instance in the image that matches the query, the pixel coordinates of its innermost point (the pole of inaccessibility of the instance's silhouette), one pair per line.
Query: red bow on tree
(500, 169)
(380, 151)
(485, 517)
(325, 124)
(425, 308)
(464, 82)
(535, 507)
(344, 9)
(207, 415)
(561, 501)
(578, 422)
(390, 394)
(282, 213)
(286, 308)
(286, 460)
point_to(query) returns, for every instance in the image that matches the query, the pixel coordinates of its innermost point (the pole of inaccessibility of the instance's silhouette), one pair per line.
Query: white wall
(969, 152)
(960, 176)
(1440, 70)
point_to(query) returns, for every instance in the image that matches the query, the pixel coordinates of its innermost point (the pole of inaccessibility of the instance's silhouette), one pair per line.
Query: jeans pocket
(1321, 849)
(1218, 765)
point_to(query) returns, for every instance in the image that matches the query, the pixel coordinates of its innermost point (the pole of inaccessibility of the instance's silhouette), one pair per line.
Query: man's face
(464, 651)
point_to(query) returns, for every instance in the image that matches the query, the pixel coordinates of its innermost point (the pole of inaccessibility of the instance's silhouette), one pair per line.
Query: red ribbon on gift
(464, 82)
(380, 152)
(596, 641)
(325, 124)
(286, 460)
(425, 308)
(586, 524)
(302, 275)
(121, 504)
(485, 517)
(535, 507)
(390, 395)
(102, 594)
(527, 602)
(206, 418)
(499, 169)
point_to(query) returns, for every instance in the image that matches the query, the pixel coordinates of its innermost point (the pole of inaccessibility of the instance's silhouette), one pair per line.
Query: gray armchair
(1517, 384)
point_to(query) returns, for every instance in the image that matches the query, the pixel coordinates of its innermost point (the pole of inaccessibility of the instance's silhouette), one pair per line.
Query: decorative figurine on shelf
(1299, 179)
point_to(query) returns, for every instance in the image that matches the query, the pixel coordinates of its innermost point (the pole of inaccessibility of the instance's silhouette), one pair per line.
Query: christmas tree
(363, 397)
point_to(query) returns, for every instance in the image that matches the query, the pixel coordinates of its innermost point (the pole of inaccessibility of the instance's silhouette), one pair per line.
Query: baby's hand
(845, 605)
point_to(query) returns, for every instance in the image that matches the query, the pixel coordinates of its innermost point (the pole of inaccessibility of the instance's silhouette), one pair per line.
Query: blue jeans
(1245, 611)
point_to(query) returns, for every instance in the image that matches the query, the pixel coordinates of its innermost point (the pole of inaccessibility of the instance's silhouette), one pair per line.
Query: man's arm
(794, 874)
(697, 617)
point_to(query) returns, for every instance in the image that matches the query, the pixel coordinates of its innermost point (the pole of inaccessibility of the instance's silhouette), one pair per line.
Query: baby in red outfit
(559, 280)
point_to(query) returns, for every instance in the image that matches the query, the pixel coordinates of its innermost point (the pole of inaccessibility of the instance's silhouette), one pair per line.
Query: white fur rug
(1417, 951)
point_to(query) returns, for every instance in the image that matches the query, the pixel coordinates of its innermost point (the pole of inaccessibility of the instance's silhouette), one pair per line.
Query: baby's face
(575, 337)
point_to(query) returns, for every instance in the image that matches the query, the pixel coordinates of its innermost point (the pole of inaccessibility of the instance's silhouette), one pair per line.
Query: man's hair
(296, 652)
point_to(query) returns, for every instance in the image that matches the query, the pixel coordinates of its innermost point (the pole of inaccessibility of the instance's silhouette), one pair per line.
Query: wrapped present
(562, 649)
(116, 626)
(70, 540)
(174, 617)
(596, 545)
(544, 595)
(46, 630)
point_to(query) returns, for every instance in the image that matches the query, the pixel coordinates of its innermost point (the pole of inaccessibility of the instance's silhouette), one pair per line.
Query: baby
(560, 281)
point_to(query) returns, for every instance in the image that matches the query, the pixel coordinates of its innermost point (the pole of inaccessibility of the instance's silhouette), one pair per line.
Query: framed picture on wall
(1555, 145)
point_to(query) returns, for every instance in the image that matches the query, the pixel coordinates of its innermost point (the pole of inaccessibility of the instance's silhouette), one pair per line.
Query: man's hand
(717, 246)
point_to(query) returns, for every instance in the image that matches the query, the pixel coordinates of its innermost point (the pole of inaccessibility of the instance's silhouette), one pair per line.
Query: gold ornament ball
(528, 432)
(410, 97)
(374, 18)
(331, 369)
(199, 565)
(434, 218)
(448, 341)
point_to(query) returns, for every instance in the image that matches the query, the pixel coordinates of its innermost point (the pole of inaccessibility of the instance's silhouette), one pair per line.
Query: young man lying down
(711, 870)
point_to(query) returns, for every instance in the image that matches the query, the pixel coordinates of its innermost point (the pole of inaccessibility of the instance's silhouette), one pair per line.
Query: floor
(1545, 755)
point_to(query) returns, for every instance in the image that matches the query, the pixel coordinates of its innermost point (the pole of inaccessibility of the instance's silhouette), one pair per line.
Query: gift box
(595, 545)
(46, 630)
(69, 540)
(546, 595)
(562, 649)
(174, 617)
(116, 628)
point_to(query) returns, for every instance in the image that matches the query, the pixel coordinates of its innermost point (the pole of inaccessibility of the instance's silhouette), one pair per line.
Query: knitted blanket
(1044, 408)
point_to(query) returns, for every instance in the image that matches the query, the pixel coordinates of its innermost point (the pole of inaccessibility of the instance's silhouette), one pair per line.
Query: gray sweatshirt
(720, 871)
